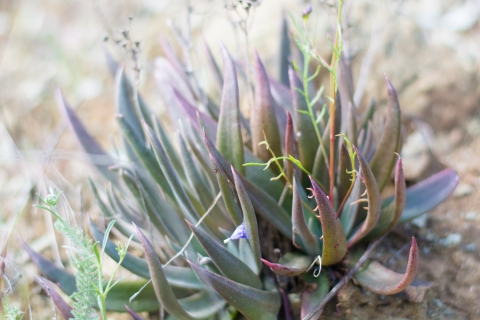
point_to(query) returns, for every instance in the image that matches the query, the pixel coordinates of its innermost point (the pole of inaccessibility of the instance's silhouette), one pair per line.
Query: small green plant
(268, 242)
(92, 289)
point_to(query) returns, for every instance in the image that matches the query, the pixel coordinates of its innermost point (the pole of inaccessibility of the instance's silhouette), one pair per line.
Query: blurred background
(429, 49)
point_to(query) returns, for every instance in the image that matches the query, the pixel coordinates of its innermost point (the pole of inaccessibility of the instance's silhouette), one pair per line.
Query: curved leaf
(382, 280)
(427, 194)
(252, 303)
(229, 265)
(374, 200)
(307, 140)
(229, 135)
(60, 304)
(263, 118)
(97, 157)
(290, 148)
(384, 158)
(290, 264)
(180, 277)
(135, 316)
(249, 219)
(390, 215)
(117, 297)
(334, 241)
(285, 52)
(301, 230)
(163, 291)
(215, 70)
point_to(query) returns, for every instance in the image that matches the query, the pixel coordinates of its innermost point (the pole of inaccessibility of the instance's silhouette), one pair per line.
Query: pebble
(438, 303)
(463, 190)
(471, 216)
(451, 240)
(471, 247)
(421, 221)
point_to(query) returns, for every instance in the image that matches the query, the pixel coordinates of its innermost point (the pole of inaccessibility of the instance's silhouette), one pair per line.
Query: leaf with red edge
(381, 280)
(60, 304)
(428, 193)
(301, 230)
(374, 200)
(390, 215)
(334, 240)
(251, 302)
(263, 118)
(384, 158)
(290, 148)
(290, 264)
(229, 135)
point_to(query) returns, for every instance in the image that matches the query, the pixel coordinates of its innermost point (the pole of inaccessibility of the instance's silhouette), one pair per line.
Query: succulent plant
(221, 206)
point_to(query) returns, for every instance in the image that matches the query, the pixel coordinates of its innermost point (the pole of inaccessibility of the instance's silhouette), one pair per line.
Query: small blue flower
(239, 233)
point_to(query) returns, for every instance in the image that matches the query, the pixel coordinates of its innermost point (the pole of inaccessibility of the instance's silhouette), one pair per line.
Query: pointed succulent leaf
(382, 280)
(263, 118)
(290, 148)
(374, 199)
(334, 241)
(203, 305)
(191, 112)
(314, 294)
(64, 280)
(135, 316)
(384, 158)
(390, 215)
(307, 140)
(146, 156)
(163, 290)
(215, 70)
(428, 193)
(344, 165)
(63, 307)
(125, 102)
(179, 277)
(227, 195)
(281, 94)
(229, 135)
(228, 264)
(171, 176)
(117, 296)
(251, 302)
(290, 264)
(125, 228)
(261, 201)
(249, 218)
(285, 52)
(350, 208)
(98, 158)
(301, 230)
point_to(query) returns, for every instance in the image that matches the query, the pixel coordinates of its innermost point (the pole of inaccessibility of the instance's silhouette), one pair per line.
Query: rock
(451, 240)
(463, 190)
(416, 155)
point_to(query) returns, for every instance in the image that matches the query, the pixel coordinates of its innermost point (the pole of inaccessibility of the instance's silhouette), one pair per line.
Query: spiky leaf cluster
(207, 199)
